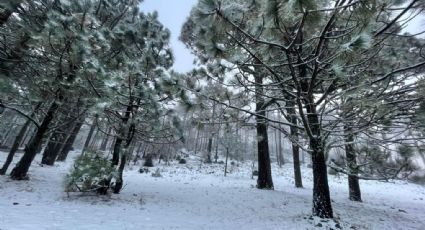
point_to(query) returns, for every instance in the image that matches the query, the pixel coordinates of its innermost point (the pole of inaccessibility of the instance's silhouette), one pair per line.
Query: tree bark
(63, 154)
(119, 182)
(21, 169)
(89, 136)
(295, 149)
(18, 141)
(227, 158)
(56, 141)
(322, 206)
(105, 140)
(209, 148)
(264, 180)
(354, 193)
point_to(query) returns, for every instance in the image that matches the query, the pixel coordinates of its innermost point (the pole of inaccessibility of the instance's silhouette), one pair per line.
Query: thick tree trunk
(264, 180)
(21, 169)
(353, 179)
(322, 206)
(18, 141)
(63, 154)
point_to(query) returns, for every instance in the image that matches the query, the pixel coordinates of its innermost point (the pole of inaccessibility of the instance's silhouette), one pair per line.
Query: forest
(297, 114)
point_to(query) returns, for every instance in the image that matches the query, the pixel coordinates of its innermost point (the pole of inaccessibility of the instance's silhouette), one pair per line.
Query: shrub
(92, 172)
(148, 162)
(143, 170)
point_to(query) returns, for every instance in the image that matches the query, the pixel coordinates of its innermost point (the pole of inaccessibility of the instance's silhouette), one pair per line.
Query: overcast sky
(172, 14)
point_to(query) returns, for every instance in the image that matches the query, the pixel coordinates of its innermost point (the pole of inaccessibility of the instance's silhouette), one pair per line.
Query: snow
(195, 196)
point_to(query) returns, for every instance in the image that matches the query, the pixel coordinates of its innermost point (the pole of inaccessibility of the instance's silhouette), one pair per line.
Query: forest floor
(195, 196)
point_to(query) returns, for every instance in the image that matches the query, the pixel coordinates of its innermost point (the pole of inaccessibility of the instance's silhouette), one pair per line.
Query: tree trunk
(264, 180)
(353, 180)
(18, 140)
(27, 135)
(322, 206)
(117, 151)
(105, 140)
(9, 130)
(119, 181)
(295, 148)
(209, 148)
(56, 141)
(225, 164)
(281, 158)
(197, 139)
(21, 169)
(63, 154)
(89, 136)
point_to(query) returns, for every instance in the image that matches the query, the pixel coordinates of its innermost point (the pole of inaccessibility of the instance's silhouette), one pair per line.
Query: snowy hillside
(195, 196)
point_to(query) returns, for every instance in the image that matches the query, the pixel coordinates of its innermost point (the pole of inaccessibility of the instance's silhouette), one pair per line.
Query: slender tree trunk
(295, 149)
(117, 151)
(119, 158)
(216, 143)
(105, 140)
(281, 158)
(297, 168)
(209, 148)
(9, 130)
(27, 135)
(123, 159)
(56, 141)
(21, 169)
(264, 180)
(18, 140)
(225, 164)
(353, 179)
(197, 139)
(89, 136)
(63, 154)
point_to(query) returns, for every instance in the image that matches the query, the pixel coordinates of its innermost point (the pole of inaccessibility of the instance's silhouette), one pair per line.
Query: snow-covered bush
(157, 173)
(92, 172)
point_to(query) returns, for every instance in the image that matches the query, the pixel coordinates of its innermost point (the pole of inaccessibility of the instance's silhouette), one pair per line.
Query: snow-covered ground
(199, 197)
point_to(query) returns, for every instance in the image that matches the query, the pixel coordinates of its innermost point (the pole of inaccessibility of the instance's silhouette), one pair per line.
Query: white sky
(172, 14)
